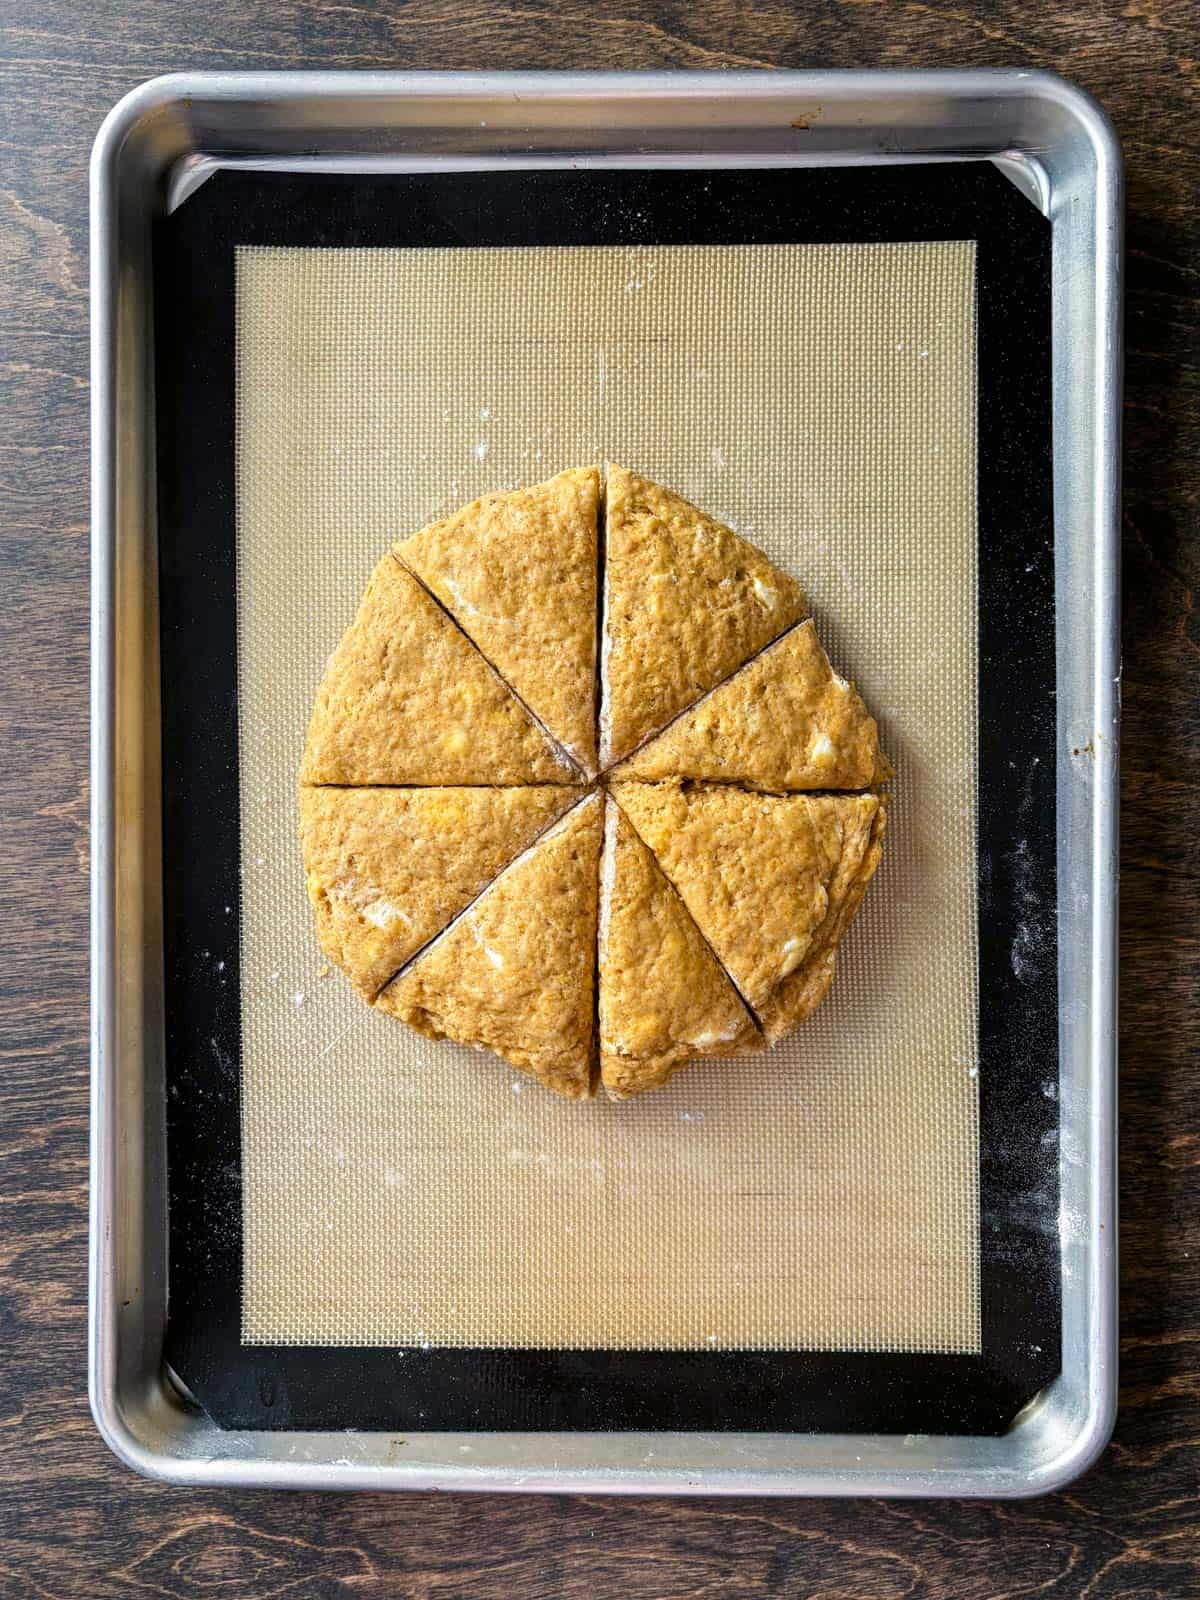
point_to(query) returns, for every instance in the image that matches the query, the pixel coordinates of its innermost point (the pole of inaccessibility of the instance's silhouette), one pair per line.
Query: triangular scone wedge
(686, 602)
(517, 571)
(664, 998)
(802, 991)
(786, 721)
(387, 869)
(772, 880)
(515, 974)
(408, 699)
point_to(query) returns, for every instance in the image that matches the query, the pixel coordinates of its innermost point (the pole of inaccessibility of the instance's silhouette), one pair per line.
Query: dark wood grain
(73, 1522)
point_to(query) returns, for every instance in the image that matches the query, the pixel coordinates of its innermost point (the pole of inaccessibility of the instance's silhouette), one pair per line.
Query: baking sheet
(821, 398)
(180, 564)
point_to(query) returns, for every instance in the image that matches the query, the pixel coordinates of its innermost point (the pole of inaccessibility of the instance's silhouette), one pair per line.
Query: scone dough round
(590, 798)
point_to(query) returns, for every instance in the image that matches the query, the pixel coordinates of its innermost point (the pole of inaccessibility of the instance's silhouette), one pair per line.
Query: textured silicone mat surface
(399, 1192)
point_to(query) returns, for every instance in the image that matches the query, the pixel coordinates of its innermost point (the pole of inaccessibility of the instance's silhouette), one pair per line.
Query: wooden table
(74, 1523)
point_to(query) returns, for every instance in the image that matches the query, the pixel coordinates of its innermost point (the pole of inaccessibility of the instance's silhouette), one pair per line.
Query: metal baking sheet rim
(1057, 144)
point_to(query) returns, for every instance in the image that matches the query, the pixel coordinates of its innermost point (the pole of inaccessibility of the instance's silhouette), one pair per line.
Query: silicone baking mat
(396, 1189)
(415, 1196)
